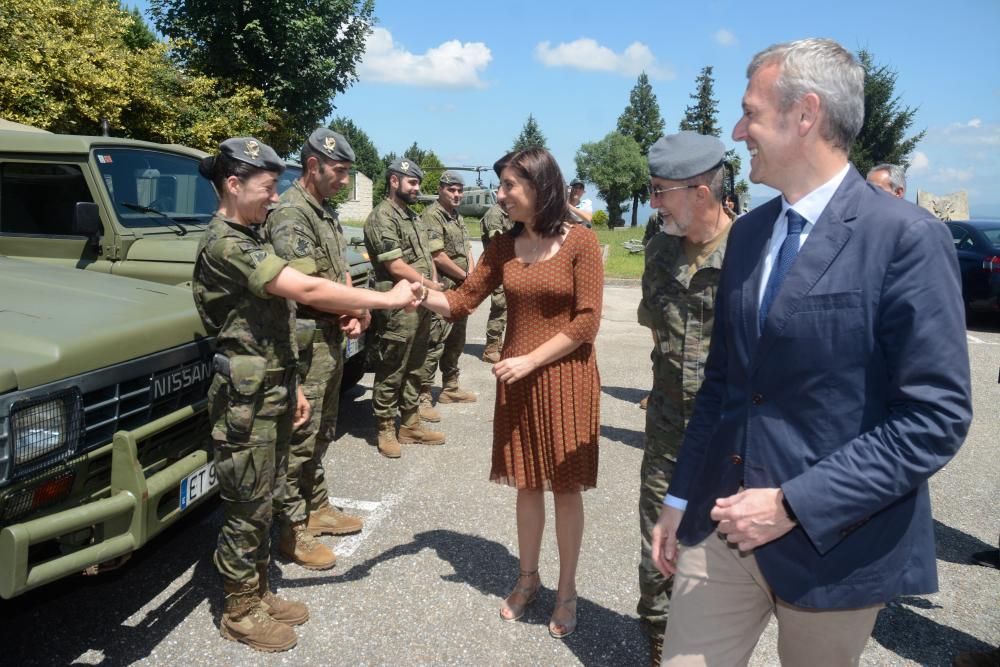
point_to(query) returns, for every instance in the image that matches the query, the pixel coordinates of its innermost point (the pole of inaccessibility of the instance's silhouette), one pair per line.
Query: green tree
(883, 134)
(615, 164)
(702, 116)
(531, 136)
(138, 35)
(366, 159)
(642, 121)
(66, 65)
(301, 54)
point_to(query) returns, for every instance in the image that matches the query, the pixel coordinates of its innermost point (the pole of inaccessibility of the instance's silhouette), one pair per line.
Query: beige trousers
(721, 605)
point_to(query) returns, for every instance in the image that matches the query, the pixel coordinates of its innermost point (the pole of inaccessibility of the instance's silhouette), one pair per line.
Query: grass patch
(621, 263)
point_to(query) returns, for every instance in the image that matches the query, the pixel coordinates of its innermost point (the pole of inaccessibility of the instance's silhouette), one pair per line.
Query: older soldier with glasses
(678, 298)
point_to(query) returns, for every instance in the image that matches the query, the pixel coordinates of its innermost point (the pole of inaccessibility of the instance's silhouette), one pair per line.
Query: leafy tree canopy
(301, 54)
(614, 164)
(66, 65)
(366, 155)
(642, 121)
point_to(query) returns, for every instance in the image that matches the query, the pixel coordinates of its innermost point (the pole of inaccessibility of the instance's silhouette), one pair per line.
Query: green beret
(331, 145)
(451, 178)
(677, 157)
(406, 167)
(253, 152)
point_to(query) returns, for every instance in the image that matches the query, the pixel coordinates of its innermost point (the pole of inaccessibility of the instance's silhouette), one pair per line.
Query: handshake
(408, 295)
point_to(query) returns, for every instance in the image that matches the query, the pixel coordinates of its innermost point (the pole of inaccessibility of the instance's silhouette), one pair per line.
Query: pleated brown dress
(546, 425)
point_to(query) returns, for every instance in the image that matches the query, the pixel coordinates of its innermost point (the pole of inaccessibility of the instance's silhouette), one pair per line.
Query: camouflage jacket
(447, 232)
(231, 272)
(393, 232)
(678, 304)
(495, 221)
(308, 234)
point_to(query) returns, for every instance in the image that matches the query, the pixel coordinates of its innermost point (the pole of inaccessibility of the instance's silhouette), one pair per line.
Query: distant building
(359, 200)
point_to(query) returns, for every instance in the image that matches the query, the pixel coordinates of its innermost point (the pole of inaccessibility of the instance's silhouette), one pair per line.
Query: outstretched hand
(406, 295)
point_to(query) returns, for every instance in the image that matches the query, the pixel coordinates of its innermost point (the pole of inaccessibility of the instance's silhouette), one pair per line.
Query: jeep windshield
(156, 190)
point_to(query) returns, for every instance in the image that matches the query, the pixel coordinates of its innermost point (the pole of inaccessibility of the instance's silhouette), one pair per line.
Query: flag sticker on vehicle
(104, 159)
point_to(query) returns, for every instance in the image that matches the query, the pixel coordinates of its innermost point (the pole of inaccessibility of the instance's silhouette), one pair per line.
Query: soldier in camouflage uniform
(678, 298)
(305, 230)
(242, 292)
(452, 257)
(495, 222)
(400, 248)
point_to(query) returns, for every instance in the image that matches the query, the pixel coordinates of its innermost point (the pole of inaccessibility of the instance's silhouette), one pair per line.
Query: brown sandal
(530, 592)
(566, 628)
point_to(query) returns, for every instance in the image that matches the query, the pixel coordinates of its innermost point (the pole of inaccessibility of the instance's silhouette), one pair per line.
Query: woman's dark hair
(539, 168)
(217, 168)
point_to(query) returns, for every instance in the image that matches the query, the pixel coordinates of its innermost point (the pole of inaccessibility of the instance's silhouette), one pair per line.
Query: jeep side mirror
(87, 220)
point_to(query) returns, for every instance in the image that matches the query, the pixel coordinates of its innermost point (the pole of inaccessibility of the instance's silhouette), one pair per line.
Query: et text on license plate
(198, 484)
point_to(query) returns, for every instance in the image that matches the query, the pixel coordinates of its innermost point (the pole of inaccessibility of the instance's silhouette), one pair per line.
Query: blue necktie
(786, 256)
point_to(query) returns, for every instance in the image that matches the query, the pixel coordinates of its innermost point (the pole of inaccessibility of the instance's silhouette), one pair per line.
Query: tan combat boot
(284, 611)
(298, 545)
(491, 353)
(244, 620)
(388, 446)
(427, 411)
(328, 520)
(412, 432)
(452, 393)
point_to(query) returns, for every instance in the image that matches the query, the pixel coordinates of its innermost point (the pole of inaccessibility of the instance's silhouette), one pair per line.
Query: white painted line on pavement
(978, 341)
(346, 546)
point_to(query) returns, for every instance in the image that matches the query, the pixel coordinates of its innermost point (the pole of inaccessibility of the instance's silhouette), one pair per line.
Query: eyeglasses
(659, 192)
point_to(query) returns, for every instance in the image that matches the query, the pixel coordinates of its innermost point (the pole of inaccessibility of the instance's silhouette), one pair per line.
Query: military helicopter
(476, 200)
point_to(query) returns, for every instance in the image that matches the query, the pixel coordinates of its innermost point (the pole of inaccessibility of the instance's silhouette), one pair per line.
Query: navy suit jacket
(852, 396)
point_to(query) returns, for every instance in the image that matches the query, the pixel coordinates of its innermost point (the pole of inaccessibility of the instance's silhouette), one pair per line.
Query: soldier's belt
(272, 376)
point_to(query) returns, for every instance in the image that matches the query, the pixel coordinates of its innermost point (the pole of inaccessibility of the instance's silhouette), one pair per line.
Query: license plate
(198, 484)
(354, 345)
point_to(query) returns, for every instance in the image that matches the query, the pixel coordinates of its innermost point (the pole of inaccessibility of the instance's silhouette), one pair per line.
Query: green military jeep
(117, 206)
(103, 430)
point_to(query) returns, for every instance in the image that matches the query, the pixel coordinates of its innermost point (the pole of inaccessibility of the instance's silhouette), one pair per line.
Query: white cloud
(918, 163)
(974, 132)
(953, 175)
(725, 37)
(452, 64)
(586, 54)
(975, 122)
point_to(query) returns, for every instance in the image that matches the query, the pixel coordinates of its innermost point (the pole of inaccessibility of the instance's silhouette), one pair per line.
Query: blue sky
(462, 78)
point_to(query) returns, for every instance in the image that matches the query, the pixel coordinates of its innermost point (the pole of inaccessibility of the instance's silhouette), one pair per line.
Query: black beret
(451, 178)
(331, 145)
(680, 156)
(407, 167)
(253, 152)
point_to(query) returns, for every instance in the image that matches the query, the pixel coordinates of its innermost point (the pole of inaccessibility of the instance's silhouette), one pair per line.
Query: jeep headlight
(42, 427)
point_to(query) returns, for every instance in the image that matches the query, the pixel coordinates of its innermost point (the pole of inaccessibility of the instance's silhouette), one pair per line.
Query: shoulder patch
(302, 247)
(257, 256)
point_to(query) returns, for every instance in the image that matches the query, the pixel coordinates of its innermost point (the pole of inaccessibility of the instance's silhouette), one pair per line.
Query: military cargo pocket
(246, 381)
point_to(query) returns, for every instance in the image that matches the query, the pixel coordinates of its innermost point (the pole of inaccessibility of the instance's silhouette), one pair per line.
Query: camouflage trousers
(303, 487)
(454, 344)
(438, 350)
(498, 316)
(399, 364)
(250, 431)
(658, 463)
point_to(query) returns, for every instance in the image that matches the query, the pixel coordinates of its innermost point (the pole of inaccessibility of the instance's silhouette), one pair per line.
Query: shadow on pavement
(956, 546)
(103, 615)
(626, 436)
(915, 637)
(627, 394)
(605, 637)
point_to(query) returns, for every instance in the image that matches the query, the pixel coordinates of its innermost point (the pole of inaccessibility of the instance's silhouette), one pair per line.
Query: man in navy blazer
(837, 383)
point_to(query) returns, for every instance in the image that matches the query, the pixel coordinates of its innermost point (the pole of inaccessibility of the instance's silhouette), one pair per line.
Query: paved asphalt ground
(421, 585)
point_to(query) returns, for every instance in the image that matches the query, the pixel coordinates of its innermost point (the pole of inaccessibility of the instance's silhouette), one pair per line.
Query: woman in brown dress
(545, 426)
